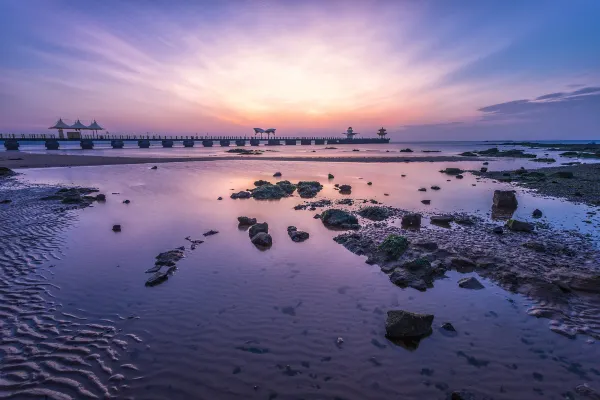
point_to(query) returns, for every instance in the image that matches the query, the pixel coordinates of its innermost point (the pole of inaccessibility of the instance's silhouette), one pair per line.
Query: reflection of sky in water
(226, 295)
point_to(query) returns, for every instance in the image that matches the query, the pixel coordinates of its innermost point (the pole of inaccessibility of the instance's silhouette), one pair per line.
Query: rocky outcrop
(287, 187)
(246, 221)
(505, 199)
(268, 191)
(402, 324)
(345, 189)
(337, 218)
(308, 189)
(296, 235)
(452, 171)
(277, 174)
(241, 195)
(6, 172)
(168, 259)
(393, 246)
(374, 213)
(210, 233)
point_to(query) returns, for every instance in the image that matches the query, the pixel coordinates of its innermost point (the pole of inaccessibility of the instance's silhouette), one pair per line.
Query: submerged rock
(160, 276)
(241, 195)
(519, 226)
(210, 233)
(470, 283)
(339, 219)
(296, 235)
(374, 213)
(116, 228)
(169, 258)
(246, 221)
(262, 239)
(393, 246)
(257, 228)
(435, 187)
(411, 220)
(404, 324)
(505, 199)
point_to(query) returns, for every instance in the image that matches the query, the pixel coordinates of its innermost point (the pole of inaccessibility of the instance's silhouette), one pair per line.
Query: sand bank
(29, 160)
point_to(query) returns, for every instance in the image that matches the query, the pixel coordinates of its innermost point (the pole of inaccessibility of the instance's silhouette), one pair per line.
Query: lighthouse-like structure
(350, 133)
(382, 132)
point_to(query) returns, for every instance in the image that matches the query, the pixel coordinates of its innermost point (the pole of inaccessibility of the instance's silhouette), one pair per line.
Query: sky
(425, 70)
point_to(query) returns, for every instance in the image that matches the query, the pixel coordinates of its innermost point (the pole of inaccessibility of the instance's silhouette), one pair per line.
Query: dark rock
(470, 283)
(441, 219)
(404, 324)
(219, 198)
(505, 199)
(346, 202)
(468, 154)
(268, 191)
(535, 246)
(345, 189)
(369, 183)
(452, 171)
(486, 163)
(462, 264)
(330, 176)
(317, 216)
(462, 395)
(261, 183)
(422, 189)
(277, 174)
(464, 220)
(246, 221)
(169, 258)
(339, 219)
(537, 213)
(564, 174)
(116, 228)
(257, 228)
(287, 187)
(241, 195)
(429, 246)
(210, 233)
(307, 189)
(459, 176)
(160, 276)
(296, 235)
(498, 230)
(434, 187)
(393, 246)
(447, 326)
(407, 150)
(519, 226)
(126, 201)
(5, 201)
(483, 169)
(154, 167)
(374, 213)
(262, 239)
(426, 202)
(101, 197)
(5, 172)
(411, 220)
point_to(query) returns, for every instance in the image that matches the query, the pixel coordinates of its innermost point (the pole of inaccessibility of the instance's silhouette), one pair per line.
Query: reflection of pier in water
(13, 141)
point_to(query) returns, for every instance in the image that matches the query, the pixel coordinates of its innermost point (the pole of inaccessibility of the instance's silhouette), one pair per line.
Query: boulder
(257, 228)
(483, 169)
(277, 174)
(411, 220)
(308, 189)
(210, 233)
(219, 198)
(374, 213)
(434, 187)
(537, 213)
(470, 283)
(154, 167)
(4, 172)
(160, 276)
(169, 258)
(505, 199)
(459, 176)
(337, 218)
(519, 226)
(262, 239)
(101, 197)
(345, 189)
(241, 195)
(126, 201)
(268, 191)
(441, 219)
(394, 246)
(296, 235)
(287, 187)
(246, 221)
(404, 324)
(447, 326)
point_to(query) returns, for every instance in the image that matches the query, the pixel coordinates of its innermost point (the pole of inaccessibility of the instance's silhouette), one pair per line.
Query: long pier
(86, 142)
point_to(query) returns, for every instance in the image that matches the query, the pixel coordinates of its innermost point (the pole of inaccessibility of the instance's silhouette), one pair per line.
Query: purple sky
(430, 70)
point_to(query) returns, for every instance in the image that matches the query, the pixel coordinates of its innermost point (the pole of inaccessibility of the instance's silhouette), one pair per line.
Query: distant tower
(350, 133)
(382, 132)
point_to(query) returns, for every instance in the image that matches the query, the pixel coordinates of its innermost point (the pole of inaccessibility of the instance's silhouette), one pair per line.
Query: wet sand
(18, 160)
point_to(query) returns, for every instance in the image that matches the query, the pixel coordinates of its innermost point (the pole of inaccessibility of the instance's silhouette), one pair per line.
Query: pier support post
(225, 142)
(86, 144)
(305, 142)
(188, 143)
(117, 144)
(240, 142)
(167, 143)
(144, 143)
(11, 144)
(207, 143)
(290, 142)
(254, 142)
(52, 144)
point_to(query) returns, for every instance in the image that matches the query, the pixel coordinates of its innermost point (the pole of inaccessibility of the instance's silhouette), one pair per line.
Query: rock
(404, 324)
(470, 283)
(154, 167)
(257, 228)
(447, 326)
(505, 199)
(261, 183)
(287, 187)
(452, 171)
(426, 202)
(219, 198)
(483, 169)
(486, 163)
(317, 216)
(101, 197)
(563, 174)
(339, 219)
(116, 228)
(330, 176)
(262, 239)
(169, 258)
(519, 226)
(422, 189)
(417, 264)
(241, 195)
(434, 187)
(498, 230)
(374, 213)
(277, 174)
(462, 264)
(411, 220)
(210, 233)
(126, 201)
(459, 176)
(296, 235)
(346, 202)
(246, 221)
(268, 191)
(369, 183)
(4, 172)
(407, 150)
(345, 189)
(464, 220)
(307, 189)
(393, 246)
(537, 213)
(462, 395)
(5, 201)
(160, 276)
(403, 175)
(535, 246)
(429, 246)
(441, 219)
(468, 154)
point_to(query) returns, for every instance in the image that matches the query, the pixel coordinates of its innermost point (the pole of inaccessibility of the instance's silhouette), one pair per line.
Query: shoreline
(20, 160)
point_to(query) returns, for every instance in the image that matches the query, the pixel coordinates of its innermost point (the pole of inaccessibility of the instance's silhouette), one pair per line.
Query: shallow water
(232, 318)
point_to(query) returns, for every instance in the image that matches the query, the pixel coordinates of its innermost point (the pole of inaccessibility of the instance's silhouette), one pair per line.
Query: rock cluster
(336, 218)
(296, 235)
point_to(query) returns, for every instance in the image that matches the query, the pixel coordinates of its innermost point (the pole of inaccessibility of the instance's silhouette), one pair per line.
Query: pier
(86, 142)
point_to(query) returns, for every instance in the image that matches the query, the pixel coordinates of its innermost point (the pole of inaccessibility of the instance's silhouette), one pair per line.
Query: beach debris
(296, 235)
(241, 195)
(470, 283)
(519, 226)
(345, 189)
(337, 218)
(393, 246)
(116, 228)
(411, 220)
(537, 213)
(402, 324)
(277, 174)
(246, 221)
(307, 189)
(505, 199)
(374, 213)
(154, 167)
(262, 239)
(210, 233)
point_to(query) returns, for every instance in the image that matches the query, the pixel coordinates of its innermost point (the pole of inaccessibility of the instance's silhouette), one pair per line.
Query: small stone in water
(116, 228)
